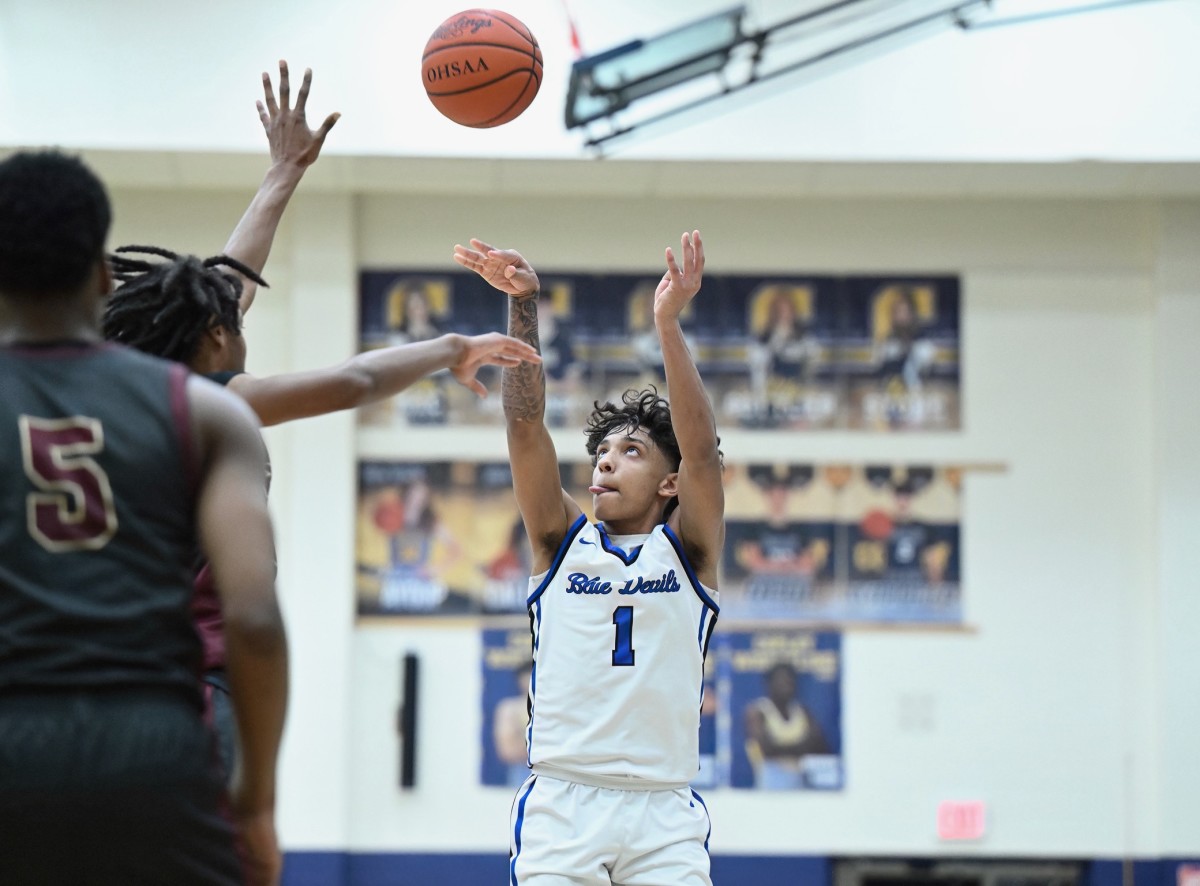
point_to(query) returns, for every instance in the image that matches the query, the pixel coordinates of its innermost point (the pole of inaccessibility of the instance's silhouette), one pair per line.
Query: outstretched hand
(492, 348)
(679, 285)
(287, 129)
(504, 269)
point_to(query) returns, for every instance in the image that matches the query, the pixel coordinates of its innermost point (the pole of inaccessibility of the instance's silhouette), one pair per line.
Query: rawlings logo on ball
(460, 26)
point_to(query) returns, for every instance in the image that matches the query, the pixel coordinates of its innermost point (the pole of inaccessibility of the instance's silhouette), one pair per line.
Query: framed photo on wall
(778, 352)
(804, 543)
(770, 719)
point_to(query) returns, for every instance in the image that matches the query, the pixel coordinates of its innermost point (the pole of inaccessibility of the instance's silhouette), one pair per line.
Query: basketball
(389, 513)
(876, 525)
(482, 68)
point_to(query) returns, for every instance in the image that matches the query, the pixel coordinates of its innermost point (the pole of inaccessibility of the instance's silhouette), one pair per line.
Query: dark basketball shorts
(110, 787)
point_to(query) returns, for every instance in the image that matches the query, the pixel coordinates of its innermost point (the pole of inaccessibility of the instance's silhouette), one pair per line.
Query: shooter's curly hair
(164, 307)
(54, 219)
(639, 409)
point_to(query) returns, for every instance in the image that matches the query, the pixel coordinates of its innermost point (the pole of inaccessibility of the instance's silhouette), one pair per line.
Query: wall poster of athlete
(805, 543)
(771, 718)
(444, 538)
(843, 543)
(778, 352)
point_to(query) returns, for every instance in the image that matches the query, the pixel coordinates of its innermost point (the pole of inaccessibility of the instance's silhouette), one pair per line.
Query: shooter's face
(631, 477)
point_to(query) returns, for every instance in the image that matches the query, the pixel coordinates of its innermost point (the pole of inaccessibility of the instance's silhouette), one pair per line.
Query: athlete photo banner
(444, 538)
(770, 721)
(779, 703)
(866, 353)
(842, 543)
(804, 543)
(507, 666)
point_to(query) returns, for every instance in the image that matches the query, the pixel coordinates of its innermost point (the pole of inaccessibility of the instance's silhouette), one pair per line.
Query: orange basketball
(482, 67)
(876, 525)
(389, 513)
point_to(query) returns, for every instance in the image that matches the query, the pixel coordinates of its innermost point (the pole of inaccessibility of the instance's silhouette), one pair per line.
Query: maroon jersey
(97, 520)
(206, 602)
(206, 616)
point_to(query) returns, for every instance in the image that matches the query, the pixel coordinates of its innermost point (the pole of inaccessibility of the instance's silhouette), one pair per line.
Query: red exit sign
(961, 820)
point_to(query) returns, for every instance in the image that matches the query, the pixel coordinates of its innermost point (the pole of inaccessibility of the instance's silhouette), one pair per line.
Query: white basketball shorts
(563, 833)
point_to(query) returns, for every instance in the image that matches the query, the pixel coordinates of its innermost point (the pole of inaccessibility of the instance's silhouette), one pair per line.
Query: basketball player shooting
(621, 610)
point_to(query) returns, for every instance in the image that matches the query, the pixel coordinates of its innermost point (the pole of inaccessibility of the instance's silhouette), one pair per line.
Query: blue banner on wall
(804, 543)
(780, 352)
(771, 718)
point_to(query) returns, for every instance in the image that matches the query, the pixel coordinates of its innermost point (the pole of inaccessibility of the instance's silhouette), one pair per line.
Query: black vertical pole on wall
(408, 721)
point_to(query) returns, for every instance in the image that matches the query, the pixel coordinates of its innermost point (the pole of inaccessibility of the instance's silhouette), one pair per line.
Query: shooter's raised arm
(546, 509)
(699, 519)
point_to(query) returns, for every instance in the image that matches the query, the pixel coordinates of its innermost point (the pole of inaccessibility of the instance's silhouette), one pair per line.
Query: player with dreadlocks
(190, 310)
(166, 307)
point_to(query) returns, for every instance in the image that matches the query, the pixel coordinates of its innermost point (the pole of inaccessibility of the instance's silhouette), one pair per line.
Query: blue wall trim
(468, 869)
(1145, 872)
(316, 868)
(393, 869)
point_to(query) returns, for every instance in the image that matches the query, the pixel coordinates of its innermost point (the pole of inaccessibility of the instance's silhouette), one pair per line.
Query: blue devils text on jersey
(619, 639)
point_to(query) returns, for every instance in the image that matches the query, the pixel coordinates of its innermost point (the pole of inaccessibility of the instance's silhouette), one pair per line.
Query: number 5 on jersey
(74, 510)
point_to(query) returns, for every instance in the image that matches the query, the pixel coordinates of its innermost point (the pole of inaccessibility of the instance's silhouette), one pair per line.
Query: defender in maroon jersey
(113, 463)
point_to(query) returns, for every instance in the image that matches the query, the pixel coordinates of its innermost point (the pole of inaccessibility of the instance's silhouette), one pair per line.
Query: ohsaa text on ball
(455, 69)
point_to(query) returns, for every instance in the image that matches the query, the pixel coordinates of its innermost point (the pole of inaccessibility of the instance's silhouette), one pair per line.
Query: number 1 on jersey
(622, 654)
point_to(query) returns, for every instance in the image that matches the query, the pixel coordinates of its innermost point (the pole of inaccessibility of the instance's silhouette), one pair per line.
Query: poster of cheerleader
(507, 670)
(779, 352)
(898, 354)
(779, 704)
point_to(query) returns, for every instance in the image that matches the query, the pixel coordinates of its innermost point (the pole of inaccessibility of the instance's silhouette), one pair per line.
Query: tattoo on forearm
(524, 387)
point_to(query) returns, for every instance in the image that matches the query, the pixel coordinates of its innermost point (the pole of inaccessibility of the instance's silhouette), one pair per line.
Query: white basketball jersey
(619, 639)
